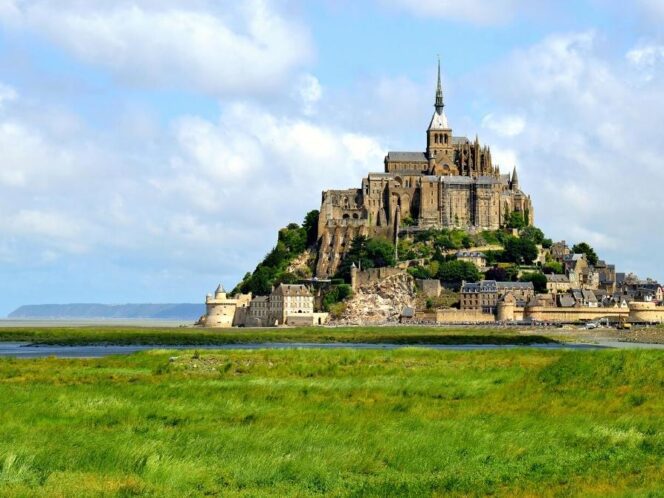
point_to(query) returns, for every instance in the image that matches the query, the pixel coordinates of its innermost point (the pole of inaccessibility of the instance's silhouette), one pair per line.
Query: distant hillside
(182, 311)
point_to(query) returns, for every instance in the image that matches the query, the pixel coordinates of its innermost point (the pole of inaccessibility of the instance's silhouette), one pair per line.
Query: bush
(457, 271)
(336, 295)
(520, 251)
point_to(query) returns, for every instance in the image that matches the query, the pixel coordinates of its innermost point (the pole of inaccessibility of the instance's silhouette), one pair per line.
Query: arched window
(445, 139)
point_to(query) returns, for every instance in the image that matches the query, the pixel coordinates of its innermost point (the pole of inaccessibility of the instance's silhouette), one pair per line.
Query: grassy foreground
(407, 422)
(197, 336)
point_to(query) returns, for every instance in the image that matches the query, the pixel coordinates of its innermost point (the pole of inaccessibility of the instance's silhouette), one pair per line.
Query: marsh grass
(200, 337)
(409, 422)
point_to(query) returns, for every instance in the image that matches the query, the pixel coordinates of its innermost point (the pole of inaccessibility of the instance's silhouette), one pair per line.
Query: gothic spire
(439, 93)
(515, 180)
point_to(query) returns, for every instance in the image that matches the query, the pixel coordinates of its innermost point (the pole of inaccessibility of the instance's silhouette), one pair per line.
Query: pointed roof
(439, 120)
(439, 93)
(220, 289)
(515, 178)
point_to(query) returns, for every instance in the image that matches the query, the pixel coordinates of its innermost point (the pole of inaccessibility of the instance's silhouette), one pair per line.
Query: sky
(150, 149)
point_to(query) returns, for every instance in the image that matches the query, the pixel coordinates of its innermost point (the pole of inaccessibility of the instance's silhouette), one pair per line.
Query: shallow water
(27, 350)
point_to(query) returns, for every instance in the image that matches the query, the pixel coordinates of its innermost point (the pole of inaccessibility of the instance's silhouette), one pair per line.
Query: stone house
(476, 258)
(557, 283)
(484, 295)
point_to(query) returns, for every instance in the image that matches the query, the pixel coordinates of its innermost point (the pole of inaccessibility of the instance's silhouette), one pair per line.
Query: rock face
(380, 302)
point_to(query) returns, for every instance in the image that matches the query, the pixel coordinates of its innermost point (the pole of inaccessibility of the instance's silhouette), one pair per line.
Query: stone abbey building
(453, 184)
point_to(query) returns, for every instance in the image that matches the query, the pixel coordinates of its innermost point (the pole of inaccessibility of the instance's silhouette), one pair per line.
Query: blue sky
(152, 148)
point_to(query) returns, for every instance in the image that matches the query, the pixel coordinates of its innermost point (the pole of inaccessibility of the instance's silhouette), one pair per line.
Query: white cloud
(483, 12)
(224, 48)
(310, 92)
(506, 125)
(588, 151)
(7, 94)
(646, 58)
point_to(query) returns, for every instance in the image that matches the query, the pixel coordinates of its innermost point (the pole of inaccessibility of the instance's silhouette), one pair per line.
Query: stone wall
(646, 313)
(570, 315)
(463, 316)
(371, 276)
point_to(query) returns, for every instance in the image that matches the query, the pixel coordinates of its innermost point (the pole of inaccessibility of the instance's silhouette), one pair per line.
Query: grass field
(190, 336)
(408, 422)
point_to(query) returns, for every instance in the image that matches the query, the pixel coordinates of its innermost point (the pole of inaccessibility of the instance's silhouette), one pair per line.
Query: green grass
(408, 422)
(182, 336)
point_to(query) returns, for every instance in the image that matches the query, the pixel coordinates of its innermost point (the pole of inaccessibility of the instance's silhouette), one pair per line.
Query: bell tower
(439, 134)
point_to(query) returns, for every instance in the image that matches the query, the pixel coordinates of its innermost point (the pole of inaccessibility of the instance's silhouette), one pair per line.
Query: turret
(220, 293)
(514, 184)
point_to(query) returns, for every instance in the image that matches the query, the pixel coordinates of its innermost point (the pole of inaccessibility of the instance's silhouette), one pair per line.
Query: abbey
(453, 184)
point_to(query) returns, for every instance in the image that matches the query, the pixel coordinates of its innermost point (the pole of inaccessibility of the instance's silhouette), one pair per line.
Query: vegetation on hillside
(334, 423)
(366, 253)
(584, 248)
(292, 241)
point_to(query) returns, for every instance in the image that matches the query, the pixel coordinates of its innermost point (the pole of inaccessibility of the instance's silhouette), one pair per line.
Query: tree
(532, 233)
(520, 251)
(584, 248)
(337, 294)
(538, 279)
(497, 273)
(310, 225)
(457, 271)
(552, 267)
(516, 220)
(367, 253)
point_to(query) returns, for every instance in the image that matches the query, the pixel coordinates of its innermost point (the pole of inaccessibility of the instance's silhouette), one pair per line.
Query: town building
(484, 295)
(557, 283)
(286, 305)
(474, 257)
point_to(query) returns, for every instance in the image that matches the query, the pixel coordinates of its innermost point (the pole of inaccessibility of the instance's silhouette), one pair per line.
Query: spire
(515, 180)
(439, 93)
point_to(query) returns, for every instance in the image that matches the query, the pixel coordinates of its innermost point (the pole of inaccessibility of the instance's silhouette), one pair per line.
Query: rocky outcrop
(380, 302)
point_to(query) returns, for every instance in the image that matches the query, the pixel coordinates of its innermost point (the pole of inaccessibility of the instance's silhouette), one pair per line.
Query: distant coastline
(189, 312)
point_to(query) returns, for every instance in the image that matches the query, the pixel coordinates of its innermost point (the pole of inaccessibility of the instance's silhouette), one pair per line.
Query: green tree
(553, 267)
(516, 220)
(532, 233)
(456, 271)
(497, 273)
(584, 248)
(367, 253)
(538, 279)
(520, 251)
(310, 226)
(337, 294)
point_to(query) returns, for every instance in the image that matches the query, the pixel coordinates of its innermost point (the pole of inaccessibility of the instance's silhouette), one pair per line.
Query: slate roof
(292, 290)
(566, 301)
(515, 285)
(407, 156)
(470, 254)
(557, 279)
(493, 286)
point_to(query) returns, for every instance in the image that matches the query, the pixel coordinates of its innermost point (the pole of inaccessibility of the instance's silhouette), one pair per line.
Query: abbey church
(453, 184)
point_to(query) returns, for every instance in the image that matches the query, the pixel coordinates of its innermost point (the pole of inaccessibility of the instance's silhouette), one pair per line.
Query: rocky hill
(379, 303)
